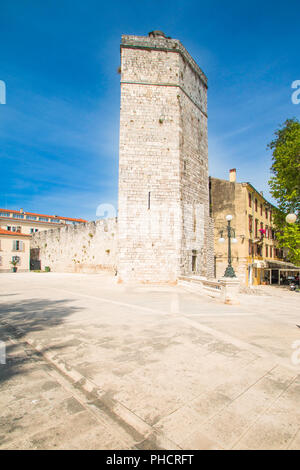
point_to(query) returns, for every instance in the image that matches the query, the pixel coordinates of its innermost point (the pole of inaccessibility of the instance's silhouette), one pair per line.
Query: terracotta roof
(15, 234)
(43, 215)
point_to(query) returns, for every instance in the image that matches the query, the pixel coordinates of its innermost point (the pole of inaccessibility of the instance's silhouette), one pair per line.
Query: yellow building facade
(256, 257)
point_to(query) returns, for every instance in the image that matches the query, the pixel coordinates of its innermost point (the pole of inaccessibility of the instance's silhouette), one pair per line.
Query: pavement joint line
(115, 302)
(121, 411)
(266, 409)
(184, 318)
(220, 315)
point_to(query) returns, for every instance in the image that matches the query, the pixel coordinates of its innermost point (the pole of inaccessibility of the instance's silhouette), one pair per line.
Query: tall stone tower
(164, 224)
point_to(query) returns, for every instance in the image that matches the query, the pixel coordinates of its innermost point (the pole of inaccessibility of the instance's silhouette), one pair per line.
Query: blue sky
(59, 59)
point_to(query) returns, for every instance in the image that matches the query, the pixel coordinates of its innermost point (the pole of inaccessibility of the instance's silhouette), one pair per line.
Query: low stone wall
(85, 248)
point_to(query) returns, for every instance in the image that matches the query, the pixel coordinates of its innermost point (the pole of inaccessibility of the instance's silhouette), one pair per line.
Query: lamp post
(229, 272)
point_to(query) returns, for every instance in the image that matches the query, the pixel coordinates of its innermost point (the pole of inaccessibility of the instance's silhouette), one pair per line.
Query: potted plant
(14, 263)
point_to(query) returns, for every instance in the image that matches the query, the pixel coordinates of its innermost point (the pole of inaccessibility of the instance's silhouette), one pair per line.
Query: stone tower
(164, 225)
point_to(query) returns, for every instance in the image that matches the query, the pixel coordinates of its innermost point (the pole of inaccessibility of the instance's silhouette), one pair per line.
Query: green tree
(285, 185)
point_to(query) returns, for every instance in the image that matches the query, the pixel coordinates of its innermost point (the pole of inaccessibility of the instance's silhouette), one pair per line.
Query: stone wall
(86, 248)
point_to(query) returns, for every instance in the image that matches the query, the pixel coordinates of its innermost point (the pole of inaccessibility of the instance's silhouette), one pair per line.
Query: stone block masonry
(164, 225)
(84, 248)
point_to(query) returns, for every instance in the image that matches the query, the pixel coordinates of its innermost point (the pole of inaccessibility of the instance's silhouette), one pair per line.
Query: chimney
(21, 211)
(232, 175)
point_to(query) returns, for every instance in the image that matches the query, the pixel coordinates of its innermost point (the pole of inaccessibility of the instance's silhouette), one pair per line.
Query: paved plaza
(92, 364)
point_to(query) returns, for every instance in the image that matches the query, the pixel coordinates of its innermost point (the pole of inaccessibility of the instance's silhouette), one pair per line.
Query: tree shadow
(20, 319)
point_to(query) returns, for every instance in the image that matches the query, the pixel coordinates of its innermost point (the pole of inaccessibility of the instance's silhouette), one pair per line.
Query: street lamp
(229, 272)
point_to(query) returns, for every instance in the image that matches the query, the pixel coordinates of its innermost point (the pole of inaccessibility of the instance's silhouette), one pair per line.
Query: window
(270, 216)
(271, 252)
(194, 261)
(4, 214)
(18, 245)
(250, 248)
(256, 205)
(266, 213)
(44, 219)
(36, 229)
(8, 228)
(267, 251)
(267, 232)
(30, 217)
(249, 199)
(256, 228)
(55, 220)
(18, 216)
(31, 230)
(261, 209)
(194, 220)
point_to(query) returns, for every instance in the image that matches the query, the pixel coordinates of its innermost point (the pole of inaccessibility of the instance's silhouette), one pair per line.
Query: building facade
(256, 257)
(14, 251)
(164, 226)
